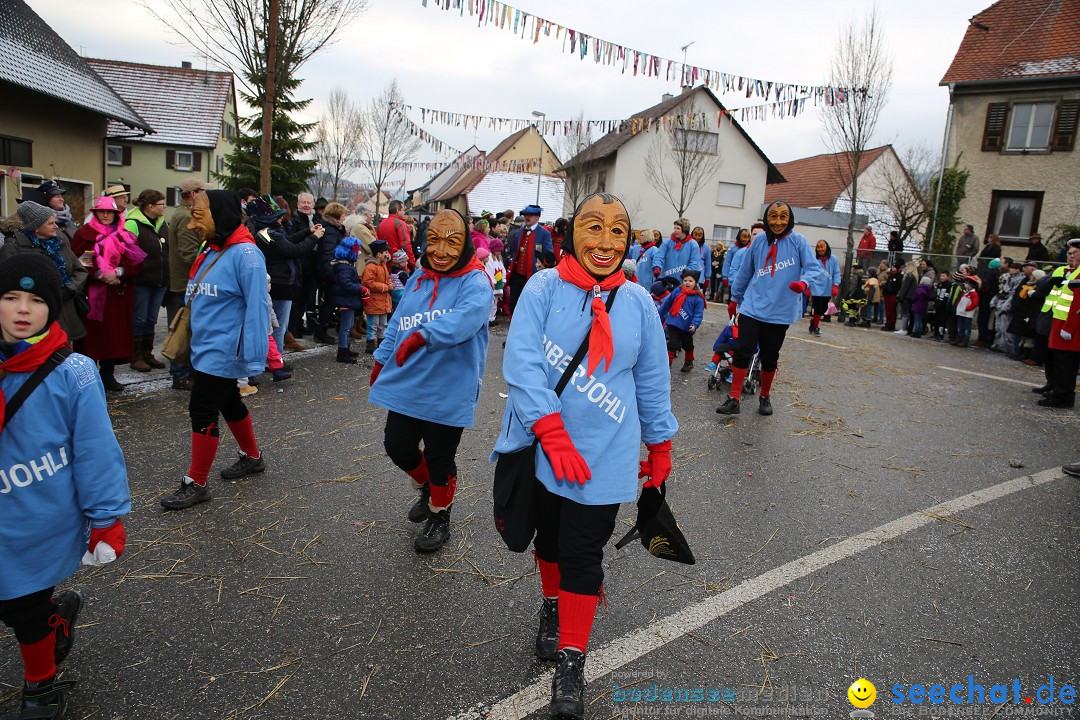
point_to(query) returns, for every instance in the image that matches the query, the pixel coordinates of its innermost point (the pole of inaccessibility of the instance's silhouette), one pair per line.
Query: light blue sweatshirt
(764, 294)
(645, 265)
(823, 284)
(672, 261)
(608, 414)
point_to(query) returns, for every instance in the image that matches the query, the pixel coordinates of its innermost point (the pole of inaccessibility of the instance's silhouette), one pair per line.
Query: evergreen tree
(289, 173)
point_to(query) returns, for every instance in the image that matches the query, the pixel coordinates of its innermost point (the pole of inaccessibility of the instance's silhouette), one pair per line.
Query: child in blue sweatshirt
(63, 481)
(681, 313)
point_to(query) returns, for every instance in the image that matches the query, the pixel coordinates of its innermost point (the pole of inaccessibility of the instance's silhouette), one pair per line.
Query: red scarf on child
(601, 342)
(676, 304)
(40, 349)
(429, 274)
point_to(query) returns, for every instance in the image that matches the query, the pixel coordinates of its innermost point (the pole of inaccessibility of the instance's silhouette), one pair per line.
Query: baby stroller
(851, 310)
(722, 373)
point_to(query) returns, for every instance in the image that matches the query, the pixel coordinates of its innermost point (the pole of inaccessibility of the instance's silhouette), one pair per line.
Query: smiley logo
(862, 693)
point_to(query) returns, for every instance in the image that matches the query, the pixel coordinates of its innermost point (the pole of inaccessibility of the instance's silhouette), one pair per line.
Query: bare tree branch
(907, 188)
(386, 141)
(337, 138)
(859, 61)
(681, 162)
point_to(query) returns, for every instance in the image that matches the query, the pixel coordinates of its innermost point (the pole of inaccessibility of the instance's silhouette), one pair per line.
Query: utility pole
(686, 73)
(268, 97)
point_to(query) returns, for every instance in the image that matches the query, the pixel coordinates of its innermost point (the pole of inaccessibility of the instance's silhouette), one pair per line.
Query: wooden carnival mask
(201, 220)
(778, 219)
(601, 233)
(446, 236)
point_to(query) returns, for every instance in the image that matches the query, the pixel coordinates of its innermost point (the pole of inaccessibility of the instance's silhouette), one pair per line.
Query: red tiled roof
(469, 178)
(1016, 39)
(815, 182)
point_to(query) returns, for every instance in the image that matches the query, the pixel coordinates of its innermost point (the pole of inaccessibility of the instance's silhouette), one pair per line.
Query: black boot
(764, 405)
(568, 686)
(547, 637)
(44, 700)
(1048, 387)
(320, 335)
(68, 604)
(687, 366)
(435, 533)
(369, 347)
(343, 356)
(730, 407)
(420, 510)
(108, 379)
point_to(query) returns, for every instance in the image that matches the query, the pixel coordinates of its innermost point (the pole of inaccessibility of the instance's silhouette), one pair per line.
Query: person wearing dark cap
(777, 268)
(66, 488)
(429, 368)
(1037, 251)
(39, 234)
(530, 248)
(230, 327)
(590, 435)
(54, 194)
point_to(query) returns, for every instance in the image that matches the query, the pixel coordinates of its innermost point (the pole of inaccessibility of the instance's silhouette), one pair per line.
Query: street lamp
(540, 164)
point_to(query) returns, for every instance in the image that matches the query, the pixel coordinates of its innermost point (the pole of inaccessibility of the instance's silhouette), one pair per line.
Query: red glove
(799, 286)
(412, 343)
(835, 290)
(658, 466)
(375, 370)
(705, 285)
(565, 460)
(656, 272)
(114, 535)
(732, 308)
(726, 282)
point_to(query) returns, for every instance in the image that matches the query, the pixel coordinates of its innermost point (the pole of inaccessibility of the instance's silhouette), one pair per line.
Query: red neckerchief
(676, 304)
(825, 261)
(239, 235)
(771, 255)
(678, 243)
(31, 358)
(429, 274)
(601, 342)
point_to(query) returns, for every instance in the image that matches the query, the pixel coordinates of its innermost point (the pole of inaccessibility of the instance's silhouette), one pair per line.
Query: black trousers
(28, 616)
(211, 395)
(517, 284)
(1063, 373)
(403, 435)
(573, 535)
(679, 339)
(754, 334)
(819, 304)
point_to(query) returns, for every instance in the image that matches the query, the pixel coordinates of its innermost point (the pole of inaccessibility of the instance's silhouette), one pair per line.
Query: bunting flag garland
(604, 52)
(474, 163)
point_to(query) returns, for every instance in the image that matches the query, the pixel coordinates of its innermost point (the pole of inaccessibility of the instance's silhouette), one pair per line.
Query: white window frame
(178, 164)
(1027, 146)
(109, 150)
(742, 201)
(694, 138)
(725, 233)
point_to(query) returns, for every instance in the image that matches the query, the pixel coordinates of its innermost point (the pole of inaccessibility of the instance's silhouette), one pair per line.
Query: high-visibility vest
(1060, 298)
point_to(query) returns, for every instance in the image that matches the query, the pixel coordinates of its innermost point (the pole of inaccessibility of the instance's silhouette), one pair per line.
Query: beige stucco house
(193, 113)
(54, 115)
(1014, 88)
(728, 199)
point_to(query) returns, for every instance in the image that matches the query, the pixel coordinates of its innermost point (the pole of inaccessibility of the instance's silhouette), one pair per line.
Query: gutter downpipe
(941, 170)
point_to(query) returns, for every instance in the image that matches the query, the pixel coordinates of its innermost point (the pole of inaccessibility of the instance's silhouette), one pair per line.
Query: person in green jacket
(146, 221)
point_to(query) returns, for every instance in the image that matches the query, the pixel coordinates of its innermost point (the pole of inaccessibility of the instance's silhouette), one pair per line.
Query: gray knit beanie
(33, 215)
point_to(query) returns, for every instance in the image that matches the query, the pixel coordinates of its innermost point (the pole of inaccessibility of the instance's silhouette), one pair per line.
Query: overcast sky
(444, 61)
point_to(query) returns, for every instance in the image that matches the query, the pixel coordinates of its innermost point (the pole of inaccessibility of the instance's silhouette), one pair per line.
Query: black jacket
(330, 240)
(299, 228)
(283, 257)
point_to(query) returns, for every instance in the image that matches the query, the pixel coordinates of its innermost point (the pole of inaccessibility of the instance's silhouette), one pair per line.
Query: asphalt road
(822, 556)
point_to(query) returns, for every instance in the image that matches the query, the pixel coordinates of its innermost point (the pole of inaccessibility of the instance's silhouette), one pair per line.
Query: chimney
(186, 65)
(665, 97)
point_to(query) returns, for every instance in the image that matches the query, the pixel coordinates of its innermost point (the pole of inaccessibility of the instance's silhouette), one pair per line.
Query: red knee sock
(203, 451)
(815, 321)
(738, 376)
(419, 474)
(689, 356)
(766, 382)
(549, 577)
(716, 358)
(442, 495)
(244, 433)
(670, 358)
(39, 658)
(576, 613)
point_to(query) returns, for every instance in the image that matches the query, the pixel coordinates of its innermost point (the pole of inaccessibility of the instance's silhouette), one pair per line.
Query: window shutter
(994, 133)
(170, 159)
(196, 162)
(1065, 128)
(170, 197)
(126, 155)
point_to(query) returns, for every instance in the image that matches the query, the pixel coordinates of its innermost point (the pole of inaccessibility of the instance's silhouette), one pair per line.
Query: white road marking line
(818, 342)
(639, 643)
(984, 375)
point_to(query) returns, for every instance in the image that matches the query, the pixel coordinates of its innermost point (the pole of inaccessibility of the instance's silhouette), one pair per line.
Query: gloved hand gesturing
(656, 272)
(799, 287)
(1065, 335)
(732, 308)
(835, 290)
(375, 370)
(412, 343)
(566, 461)
(106, 544)
(658, 467)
